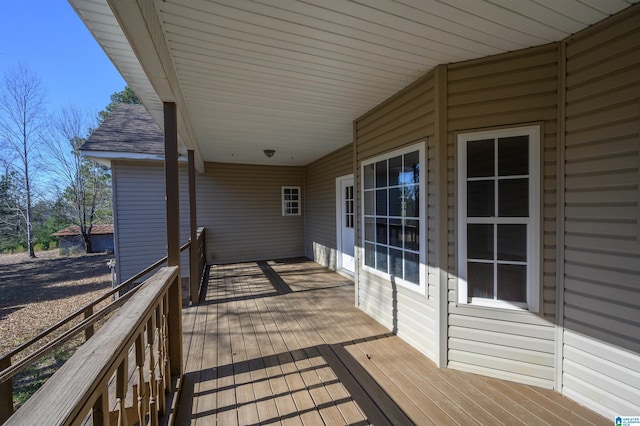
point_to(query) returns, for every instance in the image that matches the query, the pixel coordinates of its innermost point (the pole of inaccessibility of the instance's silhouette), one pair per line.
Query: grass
(33, 377)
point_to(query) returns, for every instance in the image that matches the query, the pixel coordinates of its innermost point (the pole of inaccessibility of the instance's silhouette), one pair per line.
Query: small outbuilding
(70, 238)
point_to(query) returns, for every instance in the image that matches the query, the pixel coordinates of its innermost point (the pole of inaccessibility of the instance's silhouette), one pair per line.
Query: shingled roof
(75, 230)
(128, 129)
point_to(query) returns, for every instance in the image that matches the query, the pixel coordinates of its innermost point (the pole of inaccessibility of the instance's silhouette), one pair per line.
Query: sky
(49, 37)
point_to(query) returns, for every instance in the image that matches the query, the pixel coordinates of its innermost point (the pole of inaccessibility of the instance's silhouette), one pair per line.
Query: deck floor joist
(281, 342)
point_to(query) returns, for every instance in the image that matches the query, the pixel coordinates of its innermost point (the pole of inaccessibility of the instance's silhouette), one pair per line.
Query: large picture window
(393, 217)
(498, 224)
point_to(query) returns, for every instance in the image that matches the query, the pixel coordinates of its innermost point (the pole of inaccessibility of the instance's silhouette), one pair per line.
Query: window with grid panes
(349, 219)
(393, 224)
(498, 229)
(290, 201)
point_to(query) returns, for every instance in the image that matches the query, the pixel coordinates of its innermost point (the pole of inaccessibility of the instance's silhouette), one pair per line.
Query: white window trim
(422, 286)
(534, 227)
(284, 202)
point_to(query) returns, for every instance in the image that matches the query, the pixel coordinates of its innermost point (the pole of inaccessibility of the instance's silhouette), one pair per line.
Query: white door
(346, 220)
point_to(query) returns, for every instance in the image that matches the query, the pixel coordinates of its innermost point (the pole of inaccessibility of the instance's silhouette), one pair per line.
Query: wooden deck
(281, 342)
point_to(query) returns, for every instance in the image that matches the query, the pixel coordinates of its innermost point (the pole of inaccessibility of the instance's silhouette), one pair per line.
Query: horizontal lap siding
(240, 207)
(140, 219)
(320, 202)
(602, 231)
(506, 90)
(402, 120)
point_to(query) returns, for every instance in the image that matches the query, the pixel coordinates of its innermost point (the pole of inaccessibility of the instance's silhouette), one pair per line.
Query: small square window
(290, 201)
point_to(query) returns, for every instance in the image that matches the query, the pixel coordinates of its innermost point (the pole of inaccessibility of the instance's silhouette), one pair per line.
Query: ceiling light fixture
(269, 152)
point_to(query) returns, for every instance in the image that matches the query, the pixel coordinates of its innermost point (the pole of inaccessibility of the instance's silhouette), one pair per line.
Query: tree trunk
(87, 243)
(32, 253)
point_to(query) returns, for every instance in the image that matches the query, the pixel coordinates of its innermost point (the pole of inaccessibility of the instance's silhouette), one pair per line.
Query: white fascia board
(105, 157)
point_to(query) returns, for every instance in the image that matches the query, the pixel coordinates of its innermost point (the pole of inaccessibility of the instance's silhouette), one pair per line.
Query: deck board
(281, 342)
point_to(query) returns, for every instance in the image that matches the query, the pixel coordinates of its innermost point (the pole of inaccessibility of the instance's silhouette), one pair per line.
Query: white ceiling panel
(292, 75)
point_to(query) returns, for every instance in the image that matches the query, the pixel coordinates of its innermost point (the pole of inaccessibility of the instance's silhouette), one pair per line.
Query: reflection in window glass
(392, 216)
(381, 202)
(369, 176)
(369, 255)
(395, 201)
(396, 237)
(412, 267)
(411, 170)
(395, 170)
(412, 201)
(411, 235)
(381, 230)
(381, 174)
(382, 262)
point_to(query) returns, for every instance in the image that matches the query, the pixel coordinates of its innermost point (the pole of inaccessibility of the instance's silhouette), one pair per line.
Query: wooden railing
(201, 254)
(87, 324)
(137, 334)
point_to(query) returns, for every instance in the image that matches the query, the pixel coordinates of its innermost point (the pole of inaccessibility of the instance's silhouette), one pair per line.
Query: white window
(393, 194)
(290, 201)
(498, 219)
(349, 213)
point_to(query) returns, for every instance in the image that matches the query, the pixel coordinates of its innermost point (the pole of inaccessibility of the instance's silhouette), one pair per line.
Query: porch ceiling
(293, 75)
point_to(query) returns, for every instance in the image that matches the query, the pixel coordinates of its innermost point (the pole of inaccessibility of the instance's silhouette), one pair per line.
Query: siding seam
(560, 215)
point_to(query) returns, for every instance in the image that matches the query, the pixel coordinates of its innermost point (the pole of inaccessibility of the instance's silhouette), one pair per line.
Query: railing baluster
(140, 371)
(166, 362)
(6, 392)
(159, 355)
(153, 407)
(100, 411)
(88, 332)
(121, 392)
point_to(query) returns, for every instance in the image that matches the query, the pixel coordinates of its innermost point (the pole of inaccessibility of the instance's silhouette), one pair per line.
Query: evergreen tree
(126, 96)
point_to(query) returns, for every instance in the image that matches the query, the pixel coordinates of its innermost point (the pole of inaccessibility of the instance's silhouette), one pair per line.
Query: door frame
(340, 222)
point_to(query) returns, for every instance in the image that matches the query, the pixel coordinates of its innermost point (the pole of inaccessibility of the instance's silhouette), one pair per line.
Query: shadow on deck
(282, 342)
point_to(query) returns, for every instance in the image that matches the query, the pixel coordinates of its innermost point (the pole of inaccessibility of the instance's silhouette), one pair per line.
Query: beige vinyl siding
(320, 204)
(240, 207)
(509, 90)
(601, 352)
(140, 229)
(404, 119)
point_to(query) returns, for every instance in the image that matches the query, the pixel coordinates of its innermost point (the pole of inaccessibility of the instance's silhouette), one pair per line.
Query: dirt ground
(36, 293)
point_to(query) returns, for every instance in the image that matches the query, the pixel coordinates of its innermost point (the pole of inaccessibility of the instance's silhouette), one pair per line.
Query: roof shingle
(75, 230)
(129, 128)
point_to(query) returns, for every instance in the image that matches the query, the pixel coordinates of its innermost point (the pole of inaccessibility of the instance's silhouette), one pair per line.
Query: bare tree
(22, 117)
(85, 184)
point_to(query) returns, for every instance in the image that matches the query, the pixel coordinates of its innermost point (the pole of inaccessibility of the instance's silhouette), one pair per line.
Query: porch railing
(136, 333)
(196, 277)
(87, 324)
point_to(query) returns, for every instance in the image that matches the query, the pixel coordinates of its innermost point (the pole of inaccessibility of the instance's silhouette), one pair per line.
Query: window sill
(497, 304)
